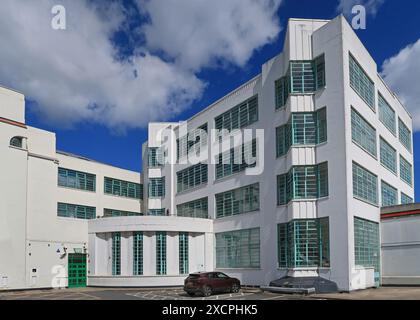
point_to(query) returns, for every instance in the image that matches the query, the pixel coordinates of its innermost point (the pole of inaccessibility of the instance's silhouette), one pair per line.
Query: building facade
(47, 199)
(330, 144)
(337, 146)
(401, 245)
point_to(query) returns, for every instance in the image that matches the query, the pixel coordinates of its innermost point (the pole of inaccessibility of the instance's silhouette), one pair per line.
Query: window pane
(238, 201)
(238, 249)
(363, 133)
(406, 171)
(389, 195)
(366, 245)
(239, 116)
(361, 83)
(196, 209)
(404, 135)
(388, 156)
(386, 114)
(365, 185)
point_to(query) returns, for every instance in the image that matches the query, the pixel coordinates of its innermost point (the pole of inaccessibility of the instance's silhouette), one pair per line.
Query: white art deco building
(336, 146)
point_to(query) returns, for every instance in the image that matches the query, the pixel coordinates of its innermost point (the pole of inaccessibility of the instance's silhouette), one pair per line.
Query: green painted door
(77, 270)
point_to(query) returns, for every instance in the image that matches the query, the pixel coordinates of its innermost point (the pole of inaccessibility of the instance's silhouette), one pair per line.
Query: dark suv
(210, 282)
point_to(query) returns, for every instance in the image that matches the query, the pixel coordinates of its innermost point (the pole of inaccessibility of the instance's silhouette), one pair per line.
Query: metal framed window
(120, 213)
(363, 134)
(183, 253)
(192, 142)
(303, 128)
(236, 159)
(303, 182)
(192, 177)
(282, 90)
(303, 243)
(406, 199)
(238, 201)
(67, 210)
(386, 114)
(367, 245)
(238, 249)
(137, 253)
(123, 188)
(155, 157)
(156, 212)
(239, 116)
(16, 142)
(389, 195)
(76, 179)
(406, 171)
(195, 209)
(157, 187)
(388, 156)
(361, 83)
(365, 185)
(116, 253)
(160, 253)
(302, 77)
(404, 135)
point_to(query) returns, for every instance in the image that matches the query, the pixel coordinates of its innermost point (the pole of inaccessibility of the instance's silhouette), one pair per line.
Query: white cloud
(200, 33)
(401, 72)
(73, 74)
(372, 6)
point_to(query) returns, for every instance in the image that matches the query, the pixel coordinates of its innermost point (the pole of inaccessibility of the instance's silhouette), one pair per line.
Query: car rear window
(194, 276)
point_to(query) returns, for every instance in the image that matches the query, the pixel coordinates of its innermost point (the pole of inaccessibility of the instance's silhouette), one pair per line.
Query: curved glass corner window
(301, 77)
(303, 128)
(16, 142)
(303, 182)
(303, 243)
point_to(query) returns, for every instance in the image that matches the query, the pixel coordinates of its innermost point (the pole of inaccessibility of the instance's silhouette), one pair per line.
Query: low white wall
(135, 281)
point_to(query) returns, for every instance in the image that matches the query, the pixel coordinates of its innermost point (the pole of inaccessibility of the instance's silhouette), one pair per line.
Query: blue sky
(133, 31)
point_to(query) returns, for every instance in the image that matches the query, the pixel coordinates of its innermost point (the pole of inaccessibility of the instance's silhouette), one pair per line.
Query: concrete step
(288, 290)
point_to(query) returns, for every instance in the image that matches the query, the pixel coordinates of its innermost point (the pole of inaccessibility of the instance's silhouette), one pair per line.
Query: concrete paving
(384, 293)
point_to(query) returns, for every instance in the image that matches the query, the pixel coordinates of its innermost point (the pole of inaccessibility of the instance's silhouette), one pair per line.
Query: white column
(172, 253)
(125, 268)
(149, 253)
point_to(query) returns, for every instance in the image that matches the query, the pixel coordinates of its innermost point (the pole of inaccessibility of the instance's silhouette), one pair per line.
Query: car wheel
(191, 294)
(206, 291)
(235, 288)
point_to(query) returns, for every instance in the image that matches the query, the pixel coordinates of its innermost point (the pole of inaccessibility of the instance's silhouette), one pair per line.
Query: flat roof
(72, 155)
(399, 211)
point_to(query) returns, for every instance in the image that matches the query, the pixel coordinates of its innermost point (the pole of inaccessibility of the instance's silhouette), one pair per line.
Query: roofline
(400, 214)
(307, 19)
(72, 155)
(13, 122)
(224, 97)
(11, 89)
(394, 95)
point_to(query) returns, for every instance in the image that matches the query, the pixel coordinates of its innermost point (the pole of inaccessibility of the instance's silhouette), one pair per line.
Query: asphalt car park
(384, 293)
(140, 294)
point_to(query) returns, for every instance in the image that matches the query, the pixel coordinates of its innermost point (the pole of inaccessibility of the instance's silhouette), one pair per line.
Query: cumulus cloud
(372, 6)
(76, 75)
(72, 74)
(201, 33)
(401, 73)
